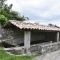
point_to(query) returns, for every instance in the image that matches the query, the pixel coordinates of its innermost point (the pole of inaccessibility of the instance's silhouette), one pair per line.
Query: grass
(5, 56)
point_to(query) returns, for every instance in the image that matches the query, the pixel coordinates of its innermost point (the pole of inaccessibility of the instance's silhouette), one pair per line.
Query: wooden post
(57, 36)
(27, 36)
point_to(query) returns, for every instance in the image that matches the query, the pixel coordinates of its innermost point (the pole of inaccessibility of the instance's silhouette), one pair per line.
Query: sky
(42, 11)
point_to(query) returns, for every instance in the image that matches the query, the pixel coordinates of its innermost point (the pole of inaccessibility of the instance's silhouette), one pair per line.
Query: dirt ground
(49, 56)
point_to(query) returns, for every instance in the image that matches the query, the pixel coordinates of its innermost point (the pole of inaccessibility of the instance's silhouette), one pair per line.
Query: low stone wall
(50, 47)
(45, 48)
(37, 48)
(16, 50)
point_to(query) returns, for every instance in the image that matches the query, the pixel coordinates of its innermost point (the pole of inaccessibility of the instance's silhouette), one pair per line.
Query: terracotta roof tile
(24, 25)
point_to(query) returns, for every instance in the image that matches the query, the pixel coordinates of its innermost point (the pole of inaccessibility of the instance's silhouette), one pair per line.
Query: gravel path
(49, 56)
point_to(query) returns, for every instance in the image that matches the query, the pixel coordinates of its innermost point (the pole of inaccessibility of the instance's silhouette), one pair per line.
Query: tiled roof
(32, 26)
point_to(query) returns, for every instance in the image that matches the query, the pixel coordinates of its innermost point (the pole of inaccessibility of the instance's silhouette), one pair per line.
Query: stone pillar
(57, 36)
(27, 37)
(0, 31)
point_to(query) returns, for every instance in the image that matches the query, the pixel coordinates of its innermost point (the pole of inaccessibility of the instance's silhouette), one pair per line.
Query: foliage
(5, 56)
(3, 19)
(2, 3)
(11, 15)
(8, 13)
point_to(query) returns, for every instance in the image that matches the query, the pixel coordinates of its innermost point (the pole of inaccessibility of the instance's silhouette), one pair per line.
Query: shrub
(3, 19)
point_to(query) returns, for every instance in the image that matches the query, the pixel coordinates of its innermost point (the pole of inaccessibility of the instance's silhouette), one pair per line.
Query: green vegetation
(5, 56)
(8, 14)
(3, 19)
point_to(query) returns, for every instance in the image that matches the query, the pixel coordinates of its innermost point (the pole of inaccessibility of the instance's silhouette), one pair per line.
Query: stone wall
(41, 37)
(12, 36)
(36, 36)
(45, 47)
(51, 36)
(36, 48)
(16, 36)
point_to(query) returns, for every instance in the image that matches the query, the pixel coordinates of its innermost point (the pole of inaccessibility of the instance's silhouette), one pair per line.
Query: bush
(3, 19)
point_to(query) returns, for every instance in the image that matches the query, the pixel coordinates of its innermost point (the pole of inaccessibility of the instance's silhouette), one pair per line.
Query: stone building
(18, 33)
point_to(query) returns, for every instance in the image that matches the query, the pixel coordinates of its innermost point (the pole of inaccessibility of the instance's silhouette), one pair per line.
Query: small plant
(3, 19)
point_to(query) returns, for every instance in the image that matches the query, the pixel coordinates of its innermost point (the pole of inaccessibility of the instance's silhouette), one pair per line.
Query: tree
(9, 13)
(2, 3)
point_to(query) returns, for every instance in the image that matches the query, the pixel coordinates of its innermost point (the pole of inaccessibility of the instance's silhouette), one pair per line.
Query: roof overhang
(31, 26)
